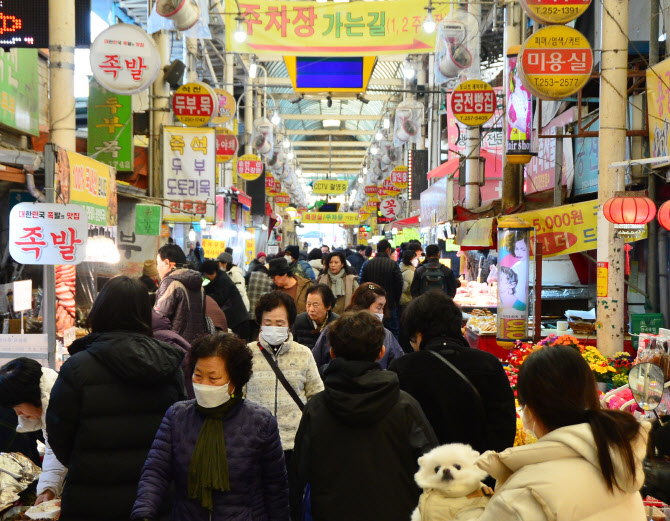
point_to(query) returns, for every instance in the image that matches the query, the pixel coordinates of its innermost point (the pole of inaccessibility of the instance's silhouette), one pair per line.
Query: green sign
(110, 127)
(147, 219)
(20, 90)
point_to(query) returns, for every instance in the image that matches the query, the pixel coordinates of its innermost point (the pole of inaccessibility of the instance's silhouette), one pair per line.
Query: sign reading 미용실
(188, 173)
(48, 233)
(473, 102)
(330, 217)
(329, 187)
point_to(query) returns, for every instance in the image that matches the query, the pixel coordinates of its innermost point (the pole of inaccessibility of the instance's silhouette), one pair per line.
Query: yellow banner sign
(250, 247)
(213, 248)
(659, 109)
(330, 217)
(329, 187)
(332, 28)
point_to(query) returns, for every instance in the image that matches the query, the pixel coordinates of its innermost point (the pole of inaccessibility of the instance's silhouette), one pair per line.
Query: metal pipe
(49, 270)
(30, 185)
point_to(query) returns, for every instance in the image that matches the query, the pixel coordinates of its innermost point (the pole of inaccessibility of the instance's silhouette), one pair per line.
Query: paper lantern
(629, 212)
(664, 215)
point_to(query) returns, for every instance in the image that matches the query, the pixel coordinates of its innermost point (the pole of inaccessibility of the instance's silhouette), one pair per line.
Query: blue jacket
(258, 480)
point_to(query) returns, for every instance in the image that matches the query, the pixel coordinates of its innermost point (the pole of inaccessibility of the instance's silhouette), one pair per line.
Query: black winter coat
(450, 403)
(382, 270)
(303, 329)
(181, 300)
(224, 291)
(358, 445)
(356, 260)
(105, 408)
(452, 282)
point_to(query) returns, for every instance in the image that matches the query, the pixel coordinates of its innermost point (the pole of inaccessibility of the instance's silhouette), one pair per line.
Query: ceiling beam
(374, 82)
(329, 132)
(334, 144)
(368, 96)
(312, 160)
(334, 171)
(322, 117)
(326, 153)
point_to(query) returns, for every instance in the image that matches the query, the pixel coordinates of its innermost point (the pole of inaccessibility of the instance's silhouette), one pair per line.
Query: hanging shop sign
(514, 240)
(270, 183)
(110, 127)
(283, 199)
(189, 164)
(249, 167)
(371, 206)
(250, 245)
(602, 274)
(351, 29)
(194, 103)
(48, 233)
(363, 214)
(329, 187)
(225, 107)
(556, 62)
(330, 217)
(400, 177)
(473, 102)
(371, 190)
(212, 248)
(124, 59)
(659, 109)
(389, 208)
(226, 145)
(148, 219)
(389, 188)
(519, 116)
(19, 84)
(553, 12)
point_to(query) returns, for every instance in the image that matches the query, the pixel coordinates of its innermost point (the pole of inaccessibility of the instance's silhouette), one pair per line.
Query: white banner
(189, 163)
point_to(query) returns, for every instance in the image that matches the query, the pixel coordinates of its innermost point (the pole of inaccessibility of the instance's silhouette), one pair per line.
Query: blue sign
(586, 161)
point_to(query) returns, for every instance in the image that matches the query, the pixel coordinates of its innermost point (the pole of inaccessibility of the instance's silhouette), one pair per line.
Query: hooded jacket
(297, 364)
(559, 478)
(237, 276)
(105, 409)
(358, 445)
(180, 298)
(224, 291)
(53, 471)
(258, 482)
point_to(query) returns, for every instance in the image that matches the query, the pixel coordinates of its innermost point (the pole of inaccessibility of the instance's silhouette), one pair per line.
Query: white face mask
(210, 396)
(274, 335)
(380, 316)
(527, 428)
(415, 262)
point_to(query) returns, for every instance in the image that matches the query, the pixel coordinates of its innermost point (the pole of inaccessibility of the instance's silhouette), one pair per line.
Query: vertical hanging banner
(514, 237)
(519, 116)
(110, 127)
(19, 85)
(189, 165)
(658, 103)
(332, 28)
(602, 271)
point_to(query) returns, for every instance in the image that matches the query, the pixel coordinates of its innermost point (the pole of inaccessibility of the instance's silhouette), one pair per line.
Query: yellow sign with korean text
(473, 102)
(250, 247)
(331, 217)
(249, 167)
(400, 177)
(213, 248)
(332, 28)
(601, 279)
(225, 107)
(658, 105)
(329, 187)
(552, 12)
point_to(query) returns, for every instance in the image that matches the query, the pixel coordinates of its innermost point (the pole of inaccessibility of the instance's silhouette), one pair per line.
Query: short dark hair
(365, 295)
(231, 349)
(342, 257)
(432, 250)
(408, 256)
(20, 383)
(315, 253)
(383, 245)
(403, 246)
(209, 266)
(326, 293)
(413, 246)
(361, 247)
(434, 315)
(368, 251)
(122, 305)
(173, 253)
(357, 335)
(273, 300)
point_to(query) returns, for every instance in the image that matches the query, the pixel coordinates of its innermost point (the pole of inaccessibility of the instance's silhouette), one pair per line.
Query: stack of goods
(477, 294)
(66, 277)
(482, 321)
(17, 472)
(654, 349)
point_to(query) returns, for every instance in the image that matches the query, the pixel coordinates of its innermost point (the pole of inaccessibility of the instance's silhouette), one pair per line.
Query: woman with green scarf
(340, 279)
(222, 453)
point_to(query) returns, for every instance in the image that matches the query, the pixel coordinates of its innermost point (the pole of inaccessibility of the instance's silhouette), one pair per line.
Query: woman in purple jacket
(222, 453)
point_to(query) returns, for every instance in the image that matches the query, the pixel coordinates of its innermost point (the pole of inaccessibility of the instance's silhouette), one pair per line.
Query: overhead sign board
(19, 85)
(389, 208)
(329, 187)
(48, 233)
(553, 12)
(473, 102)
(330, 217)
(400, 177)
(193, 104)
(283, 199)
(249, 167)
(226, 145)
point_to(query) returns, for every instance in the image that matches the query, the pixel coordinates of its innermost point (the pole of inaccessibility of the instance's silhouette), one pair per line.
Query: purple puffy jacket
(257, 472)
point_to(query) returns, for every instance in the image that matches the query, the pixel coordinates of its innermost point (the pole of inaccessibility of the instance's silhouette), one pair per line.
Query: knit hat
(278, 266)
(149, 269)
(293, 251)
(261, 254)
(225, 257)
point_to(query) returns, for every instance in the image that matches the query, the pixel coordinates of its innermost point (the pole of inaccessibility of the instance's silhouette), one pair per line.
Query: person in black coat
(485, 418)
(357, 258)
(433, 260)
(108, 402)
(359, 439)
(309, 325)
(224, 291)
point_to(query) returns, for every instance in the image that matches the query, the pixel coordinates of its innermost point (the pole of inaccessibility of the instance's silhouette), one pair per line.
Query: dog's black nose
(446, 475)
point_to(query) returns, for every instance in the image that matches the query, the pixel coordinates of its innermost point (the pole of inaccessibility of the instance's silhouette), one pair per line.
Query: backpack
(433, 278)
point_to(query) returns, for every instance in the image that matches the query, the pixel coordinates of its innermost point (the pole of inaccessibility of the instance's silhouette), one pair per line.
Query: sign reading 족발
(193, 104)
(553, 12)
(48, 233)
(125, 59)
(249, 167)
(329, 187)
(473, 102)
(556, 62)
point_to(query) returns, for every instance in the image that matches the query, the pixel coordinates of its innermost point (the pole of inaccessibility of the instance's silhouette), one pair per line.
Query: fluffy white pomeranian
(451, 483)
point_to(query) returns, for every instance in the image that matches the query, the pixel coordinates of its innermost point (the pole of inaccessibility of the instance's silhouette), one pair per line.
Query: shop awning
(242, 198)
(410, 222)
(493, 166)
(445, 169)
(475, 234)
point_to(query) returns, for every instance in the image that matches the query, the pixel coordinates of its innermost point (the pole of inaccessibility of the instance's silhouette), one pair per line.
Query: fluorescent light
(253, 69)
(331, 123)
(387, 122)
(240, 33)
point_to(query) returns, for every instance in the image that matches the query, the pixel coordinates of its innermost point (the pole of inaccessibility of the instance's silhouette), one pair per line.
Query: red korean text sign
(473, 102)
(194, 104)
(48, 233)
(226, 145)
(249, 167)
(400, 177)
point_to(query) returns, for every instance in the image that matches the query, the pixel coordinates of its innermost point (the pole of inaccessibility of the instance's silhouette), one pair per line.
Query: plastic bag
(262, 137)
(407, 124)
(456, 52)
(156, 22)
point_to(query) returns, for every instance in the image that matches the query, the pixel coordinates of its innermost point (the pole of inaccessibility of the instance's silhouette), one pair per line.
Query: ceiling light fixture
(429, 24)
(290, 155)
(361, 178)
(276, 119)
(408, 70)
(298, 171)
(374, 149)
(203, 222)
(330, 101)
(379, 136)
(241, 32)
(286, 143)
(253, 67)
(365, 170)
(191, 234)
(387, 122)
(331, 123)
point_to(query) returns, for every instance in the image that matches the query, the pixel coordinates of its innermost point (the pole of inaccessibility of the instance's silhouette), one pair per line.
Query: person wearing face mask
(587, 462)
(370, 297)
(298, 267)
(309, 325)
(285, 376)
(222, 452)
(340, 279)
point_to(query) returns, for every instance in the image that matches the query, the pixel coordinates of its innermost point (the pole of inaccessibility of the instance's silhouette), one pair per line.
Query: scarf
(337, 282)
(208, 469)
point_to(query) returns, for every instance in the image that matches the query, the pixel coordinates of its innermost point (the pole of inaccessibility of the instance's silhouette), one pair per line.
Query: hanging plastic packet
(456, 50)
(200, 29)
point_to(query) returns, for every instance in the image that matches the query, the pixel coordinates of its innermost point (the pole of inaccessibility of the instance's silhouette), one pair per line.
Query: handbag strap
(458, 372)
(280, 376)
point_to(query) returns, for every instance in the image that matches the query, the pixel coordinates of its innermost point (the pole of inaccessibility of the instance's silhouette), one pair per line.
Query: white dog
(451, 484)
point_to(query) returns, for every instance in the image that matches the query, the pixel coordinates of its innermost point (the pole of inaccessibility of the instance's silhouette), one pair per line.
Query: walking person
(285, 281)
(432, 274)
(340, 279)
(298, 267)
(236, 275)
(309, 325)
(356, 259)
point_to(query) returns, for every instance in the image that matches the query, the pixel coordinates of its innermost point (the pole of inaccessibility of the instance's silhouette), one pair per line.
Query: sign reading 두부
(194, 104)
